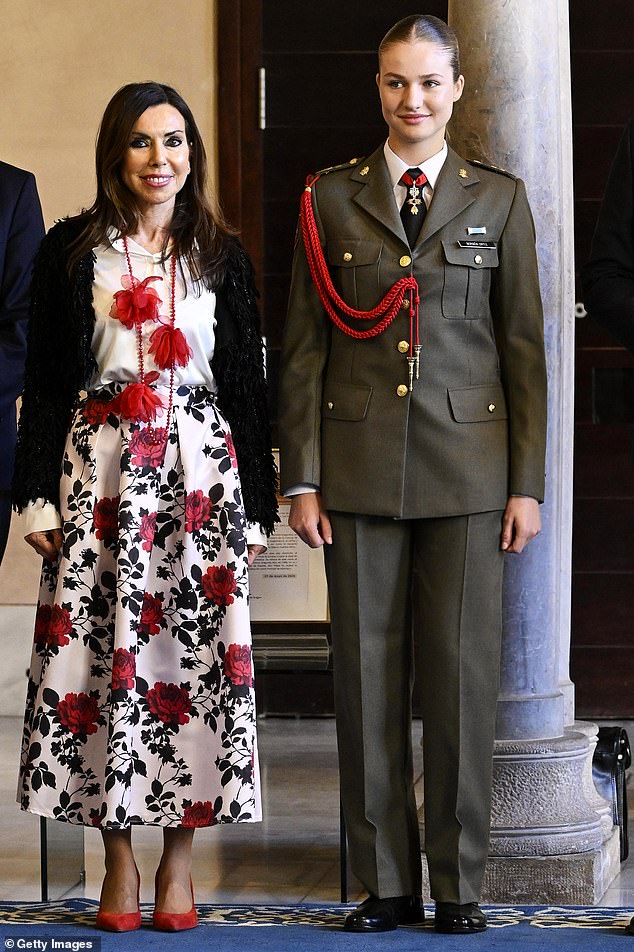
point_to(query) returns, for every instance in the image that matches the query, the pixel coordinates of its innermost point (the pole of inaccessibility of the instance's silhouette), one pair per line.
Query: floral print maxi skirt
(140, 705)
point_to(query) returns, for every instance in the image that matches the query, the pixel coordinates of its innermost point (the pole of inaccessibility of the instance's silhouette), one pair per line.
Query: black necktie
(414, 208)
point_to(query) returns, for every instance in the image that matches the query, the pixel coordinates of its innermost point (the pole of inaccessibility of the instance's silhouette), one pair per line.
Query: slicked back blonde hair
(420, 27)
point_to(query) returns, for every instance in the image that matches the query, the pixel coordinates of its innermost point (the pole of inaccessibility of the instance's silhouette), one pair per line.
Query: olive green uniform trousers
(429, 588)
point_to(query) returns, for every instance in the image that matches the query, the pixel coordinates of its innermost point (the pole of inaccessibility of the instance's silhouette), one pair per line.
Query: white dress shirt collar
(431, 167)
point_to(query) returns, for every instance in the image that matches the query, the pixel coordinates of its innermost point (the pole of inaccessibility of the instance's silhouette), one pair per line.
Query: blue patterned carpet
(310, 928)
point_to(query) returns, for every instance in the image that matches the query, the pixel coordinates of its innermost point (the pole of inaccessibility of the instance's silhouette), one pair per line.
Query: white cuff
(40, 516)
(255, 536)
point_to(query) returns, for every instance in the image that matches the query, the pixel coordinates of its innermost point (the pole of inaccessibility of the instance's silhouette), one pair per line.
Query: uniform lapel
(377, 195)
(451, 196)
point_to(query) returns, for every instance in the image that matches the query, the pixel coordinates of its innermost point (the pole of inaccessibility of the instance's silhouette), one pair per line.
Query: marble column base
(550, 839)
(569, 879)
(602, 806)
(540, 797)
(576, 880)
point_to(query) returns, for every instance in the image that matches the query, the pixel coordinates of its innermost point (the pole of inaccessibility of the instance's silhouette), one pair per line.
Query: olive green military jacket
(473, 428)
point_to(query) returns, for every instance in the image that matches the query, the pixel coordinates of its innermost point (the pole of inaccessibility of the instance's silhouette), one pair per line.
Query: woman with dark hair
(145, 472)
(412, 438)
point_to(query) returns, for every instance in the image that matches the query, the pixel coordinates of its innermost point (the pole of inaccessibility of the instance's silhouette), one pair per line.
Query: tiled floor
(293, 856)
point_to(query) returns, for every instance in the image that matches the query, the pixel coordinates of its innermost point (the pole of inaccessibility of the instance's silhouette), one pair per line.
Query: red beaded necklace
(135, 304)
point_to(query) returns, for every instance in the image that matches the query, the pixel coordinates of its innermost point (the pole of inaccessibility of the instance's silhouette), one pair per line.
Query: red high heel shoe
(174, 921)
(121, 921)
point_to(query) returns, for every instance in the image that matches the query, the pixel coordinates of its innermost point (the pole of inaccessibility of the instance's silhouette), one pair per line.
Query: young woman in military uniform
(413, 415)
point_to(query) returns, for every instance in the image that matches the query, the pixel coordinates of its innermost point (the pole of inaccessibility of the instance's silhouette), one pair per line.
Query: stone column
(549, 840)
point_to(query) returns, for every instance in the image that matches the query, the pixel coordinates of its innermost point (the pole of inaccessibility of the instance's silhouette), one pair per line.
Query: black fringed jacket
(60, 364)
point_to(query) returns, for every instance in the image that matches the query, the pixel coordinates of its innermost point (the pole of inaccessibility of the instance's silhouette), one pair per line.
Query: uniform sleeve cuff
(301, 488)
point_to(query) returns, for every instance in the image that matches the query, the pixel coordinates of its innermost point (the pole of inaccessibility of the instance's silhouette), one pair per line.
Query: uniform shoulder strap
(491, 168)
(339, 168)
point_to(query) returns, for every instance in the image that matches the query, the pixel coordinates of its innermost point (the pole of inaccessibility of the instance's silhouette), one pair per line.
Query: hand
(521, 522)
(47, 544)
(253, 551)
(310, 520)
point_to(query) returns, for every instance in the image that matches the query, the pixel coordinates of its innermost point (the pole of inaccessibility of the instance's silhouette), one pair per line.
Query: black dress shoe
(629, 930)
(383, 915)
(454, 918)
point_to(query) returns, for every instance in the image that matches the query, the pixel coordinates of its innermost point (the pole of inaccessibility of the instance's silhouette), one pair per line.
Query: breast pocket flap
(471, 257)
(346, 401)
(351, 253)
(478, 404)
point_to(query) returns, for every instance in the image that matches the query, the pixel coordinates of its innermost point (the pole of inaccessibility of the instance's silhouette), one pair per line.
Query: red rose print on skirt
(123, 669)
(79, 713)
(42, 620)
(197, 510)
(105, 518)
(170, 703)
(95, 817)
(199, 814)
(59, 626)
(140, 691)
(231, 450)
(96, 411)
(147, 530)
(219, 584)
(144, 451)
(237, 664)
(52, 625)
(151, 614)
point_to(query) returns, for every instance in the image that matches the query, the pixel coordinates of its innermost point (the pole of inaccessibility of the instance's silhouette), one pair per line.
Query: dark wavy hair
(198, 232)
(421, 27)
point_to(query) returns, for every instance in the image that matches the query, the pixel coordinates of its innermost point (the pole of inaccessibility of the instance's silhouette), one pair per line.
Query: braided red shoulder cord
(386, 309)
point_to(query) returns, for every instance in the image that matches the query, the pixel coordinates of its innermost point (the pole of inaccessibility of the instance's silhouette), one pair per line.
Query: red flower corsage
(137, 303)
(169, 347)
(137, 402)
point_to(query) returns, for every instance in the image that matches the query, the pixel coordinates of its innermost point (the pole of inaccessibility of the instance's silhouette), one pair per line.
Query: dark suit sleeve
(24, 234)
(608, 277)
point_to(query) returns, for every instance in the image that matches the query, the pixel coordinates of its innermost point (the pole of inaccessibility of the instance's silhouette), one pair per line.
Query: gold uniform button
(491, 408)
(330, 405)
(405, 261)
(401, 390)
(405, 304)
(403, 347)
(478, 259)
(347, 256)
